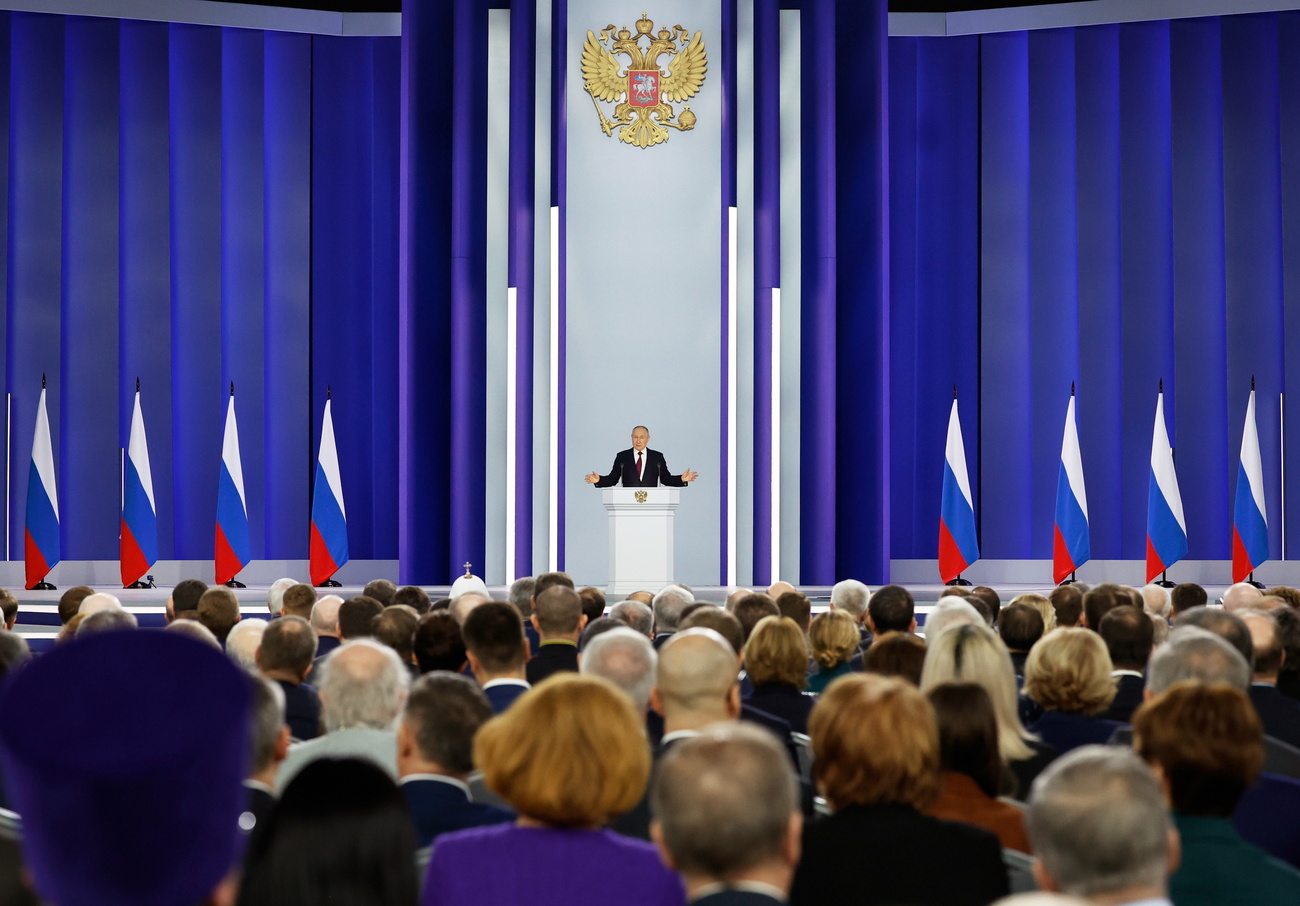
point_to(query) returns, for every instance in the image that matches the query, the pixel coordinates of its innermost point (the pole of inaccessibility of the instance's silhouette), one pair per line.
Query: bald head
(365, 685)
(1266, 642)
(1241, 596)
(734, 598)
(460, 607)
(778, 588)
(697, 671)
(96, 602)
(325, 615)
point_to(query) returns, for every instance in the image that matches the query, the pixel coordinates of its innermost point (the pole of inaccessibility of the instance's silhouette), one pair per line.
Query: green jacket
(1218, 868)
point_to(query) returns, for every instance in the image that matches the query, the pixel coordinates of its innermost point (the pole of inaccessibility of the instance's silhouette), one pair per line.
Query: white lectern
(640, 538)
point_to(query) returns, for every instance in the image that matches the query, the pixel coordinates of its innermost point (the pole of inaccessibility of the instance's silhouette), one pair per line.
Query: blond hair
(1070, 670)
(1042, 604)
(834, 638)
(777, 653)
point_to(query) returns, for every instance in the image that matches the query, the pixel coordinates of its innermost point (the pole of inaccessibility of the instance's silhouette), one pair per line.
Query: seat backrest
(1269, 817)
(804, 750)
(1020, 870)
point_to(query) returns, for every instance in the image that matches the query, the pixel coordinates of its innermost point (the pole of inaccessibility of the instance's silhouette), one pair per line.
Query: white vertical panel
(791, 295)
(732, 396)
(541, 300)
(512, 434)
(745, 290)
(775, 439)
(498, 243)
(553, 383)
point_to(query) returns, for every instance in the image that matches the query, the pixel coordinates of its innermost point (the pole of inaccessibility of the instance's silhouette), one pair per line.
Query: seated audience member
(593, 602)
(435, 755)
(395, 627)
(325, 620)
(1242, 596)
(644, 597)
(891, 609)
(834, 639)
(991, 600)
(559, 620)
(521, 595)
(734, 596)
(9, 608)
(636, 615)
(851, 596)
(1159, 630)
(243, 641)
(380, 590)
(980, 605)
(462, 605)
(70, 601)
(1207, 745)
(218, 610)
(972, 767)
(752, 608)
(796, 606)
(339, 832)
(1185, 596)
(1100, 829)
(597, 627)
(1043, 605)
(896, 654)
(668, 605)
(100, 600)
(114, 619)
(778, 588)
(438, 643)
(720, 621)
(776, 659)
(562, 806)
(362, 691)
(190, 628)
(734, 777)
(1100, 600)
(412, 596)
(184, 598)
(1280, 715)
(69, 630)
(1290, 596)
(497, 652)
(876, 760)
(298, 601)
(1156, 600)
(1020, 629)
(275, 595)
(14, 652)
(119, 778)
(1288, 627)
(625, 658)
(356, 617)
(285, 657)
(950, 611)
(1129, 636)
(1067, 601)
(270, 745)
(695, 684)
(974, 654)
(1069, 674)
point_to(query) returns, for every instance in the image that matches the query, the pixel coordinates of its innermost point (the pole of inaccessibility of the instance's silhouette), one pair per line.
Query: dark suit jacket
(503, 696)
(439, 807)
(785, 702)
(1128, 696)
(551, 658)
(1065, 731)
(833, 849)
(1279, 715)
(654, 472)
(259, 801)
(301, 710)
(737, 898)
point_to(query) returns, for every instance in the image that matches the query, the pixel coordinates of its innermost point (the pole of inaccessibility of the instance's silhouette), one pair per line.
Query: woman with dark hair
(340, 834)
(972, 767)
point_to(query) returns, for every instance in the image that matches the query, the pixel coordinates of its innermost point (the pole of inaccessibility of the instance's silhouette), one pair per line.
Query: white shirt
(506, 681)
(441, 778)
(749, 886)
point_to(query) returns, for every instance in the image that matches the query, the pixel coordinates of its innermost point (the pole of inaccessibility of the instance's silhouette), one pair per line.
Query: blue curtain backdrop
(193, 206)
(1112, 205)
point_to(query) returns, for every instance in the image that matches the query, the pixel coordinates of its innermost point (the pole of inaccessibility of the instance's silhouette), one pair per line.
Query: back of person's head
(1099, 824)
(668, 605)
(439, 644)
(115, 619)
(267, 722)
(1185, 596)
(796, 606)
(298, 601)
(851, 596)
(1067, 601)
(1129, 636)
(100, 600)
(597, 627)
(891, 609)
(1020, 626)
(14, 652)
(720, 621)
(325, 615)
(186, 594)
(8, 607)
(191, 629)
(636, 615)
(412, 596)
(1070, 670)
(219, 611)
(731, 776)
(1265, 640)
(777, 653)
(1099, 601)
(606, 762)
(243, 641)
(381, 590)
(356, 616)
(1042, 604)
(521, 595)
(1228, 626)
(558, 611)
(1241, 596)
(1156, 600)
(495, 635)
(968, 734)
(341, 825)
(70, 600)
(752, 608)
(898, 654)
(288, 643)
(395, 627)
(991, 600)
(551, 580)
(364, 685)
(697, 669)
(1192, 653)
(275, 594)
(625, 658)
(1208, 742)
(443, 715)
(1289, 595)
(833, 637)
(1288, 628)
(949, 612)
(593, 602)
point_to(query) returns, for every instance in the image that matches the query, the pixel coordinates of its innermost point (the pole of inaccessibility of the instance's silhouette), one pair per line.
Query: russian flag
(958, 546)
(232, 513)
(1071, 548)
(41, 538)
(329, 519)
(139, 546)
(1166, 528)
(1249, 525)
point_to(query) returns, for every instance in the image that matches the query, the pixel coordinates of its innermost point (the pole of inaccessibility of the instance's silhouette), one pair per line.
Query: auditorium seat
(1019, 870)
(803, 749)
(1269, 817)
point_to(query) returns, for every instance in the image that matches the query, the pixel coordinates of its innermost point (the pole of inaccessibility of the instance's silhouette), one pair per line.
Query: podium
(640, 538)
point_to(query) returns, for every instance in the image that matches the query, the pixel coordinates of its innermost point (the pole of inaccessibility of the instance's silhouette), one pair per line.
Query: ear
(405, 741)
(656, 701)
(281, 745)
(257, 656)
(912, 628)
(657, 838)
(733, 701)
(791, 846)
(871, 625)
(582, 622)
(1175, 850)
(536, 625)
(475, 665)
(1043, 879)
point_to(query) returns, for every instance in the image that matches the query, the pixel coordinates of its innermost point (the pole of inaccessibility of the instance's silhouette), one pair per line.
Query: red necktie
(638, 464)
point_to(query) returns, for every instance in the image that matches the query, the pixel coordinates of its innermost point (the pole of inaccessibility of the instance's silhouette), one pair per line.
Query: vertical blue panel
(1146, 273)
(1053, 268)
(290, 406)
(385, 190)
(198, 396)
(1200, 351)
(89, 464)
(1289, 119)
(144, 258)
(999, 471)
(1101, 436)
(1253, 236)
(242, 255)
(5, 50)
(35, 238)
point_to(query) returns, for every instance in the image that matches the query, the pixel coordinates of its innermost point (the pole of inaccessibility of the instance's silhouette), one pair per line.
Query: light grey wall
(493, 570)
(644, 283)
(791, 295)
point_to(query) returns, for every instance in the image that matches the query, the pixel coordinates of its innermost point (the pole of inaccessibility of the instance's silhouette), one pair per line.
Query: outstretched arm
(675, 481)
(605, 481)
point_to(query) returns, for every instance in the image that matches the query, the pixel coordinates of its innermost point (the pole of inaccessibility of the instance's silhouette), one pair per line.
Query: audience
(356, 617)
(1156, 600)
(112, 619)
(752, 608)
(218, 610)
(1228, 626)
(796, 606)
(625, 658)
(668, 605)
(243, 641)
(891, 609)
(497, 652)
(896, 654)
(190, 628)
(834, 639)
(380, 590)
(636, 615)
(1129, 635)
(325, 620)
(395, 627)
(720, 621)
(1279, 715)
(1100, 600)
(1020, 628)
(1288, 676)
(851, 596)
(949, 612)
(270, 745)
(412, 596)
(298, 601)
(14, 653)
(1185, 596)
(275, 595)
(559, 620)
(991, 600)
(1042, 604)
(1069, 674)
(776, 659)
(593, 602)
(70, 601)
(1067, 602)
(1242, 596)
(438, 643)
(285, 657)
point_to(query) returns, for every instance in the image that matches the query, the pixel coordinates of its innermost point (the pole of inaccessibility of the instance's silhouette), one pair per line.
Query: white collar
(252, 784)
(1126, 673)
(506, 681)
(678, 734)
(441, 778)
(749, 886)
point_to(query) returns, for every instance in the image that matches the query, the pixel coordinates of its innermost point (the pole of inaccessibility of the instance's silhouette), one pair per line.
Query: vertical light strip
(553, 550)
(775, 439)
(732, 401)
(1281, 442)
(512, 416)
(9, 415)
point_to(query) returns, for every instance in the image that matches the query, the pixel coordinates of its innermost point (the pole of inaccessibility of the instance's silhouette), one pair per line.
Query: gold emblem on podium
(642, 112)
(641, 496)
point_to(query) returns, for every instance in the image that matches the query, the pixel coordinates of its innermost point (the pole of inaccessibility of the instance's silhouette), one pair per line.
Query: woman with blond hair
(834, 639)
(776, 659)
(1069, 674)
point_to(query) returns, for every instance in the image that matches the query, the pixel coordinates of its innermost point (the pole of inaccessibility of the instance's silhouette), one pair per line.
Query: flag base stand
(44, 586)
(137, 584)
(235, 583)
(330, 583)
(1250, 580)
(1069, 581)
(959, 581)
(1164, 580)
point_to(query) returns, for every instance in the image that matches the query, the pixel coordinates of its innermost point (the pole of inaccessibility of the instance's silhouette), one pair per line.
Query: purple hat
(124, 753)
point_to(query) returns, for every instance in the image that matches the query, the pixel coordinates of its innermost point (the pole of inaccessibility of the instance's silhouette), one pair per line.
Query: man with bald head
(1241, 596)
(559, 621)
(695, 684)
(325, 620)
(778, 588)
(99, 601)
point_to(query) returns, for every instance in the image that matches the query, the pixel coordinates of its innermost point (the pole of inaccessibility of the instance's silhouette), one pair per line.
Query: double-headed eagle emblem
(643, 114)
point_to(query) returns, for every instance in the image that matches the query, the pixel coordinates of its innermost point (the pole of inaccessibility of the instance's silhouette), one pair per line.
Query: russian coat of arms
(642, 92)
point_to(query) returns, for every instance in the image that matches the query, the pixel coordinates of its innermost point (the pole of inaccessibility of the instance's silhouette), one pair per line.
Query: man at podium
(641, 468)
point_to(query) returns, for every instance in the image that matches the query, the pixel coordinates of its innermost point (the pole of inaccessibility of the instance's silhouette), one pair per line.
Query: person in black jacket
(640, 467)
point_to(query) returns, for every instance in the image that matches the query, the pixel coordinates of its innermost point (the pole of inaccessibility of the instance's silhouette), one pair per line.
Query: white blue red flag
(1249, 523)
(1166, 528)
(1071, 547)
(41, 548)
(958, 546)
(232, 511)
(139, 544)
(329, 519)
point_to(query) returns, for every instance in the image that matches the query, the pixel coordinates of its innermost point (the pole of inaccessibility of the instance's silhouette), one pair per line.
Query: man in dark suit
(640, 467)
(435, 755)
(731, 776)
(270, 744)
(1129, 636)
(495, 646)
(1279, 714)
(559, 621)
(285, 656)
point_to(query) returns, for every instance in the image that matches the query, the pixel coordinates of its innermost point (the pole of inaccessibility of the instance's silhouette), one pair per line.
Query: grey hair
(625, 658)
(112, 619)
(635, 614)
(14, 652)
(851, 597)
(1099, 822)
(325, 615)
(100, 600)
(359, 691)
(1195, 653)
(267, 720)
(194, 630)
(275, 597)
(521, 595)
(950, 611)
(668, 606)
(1156, 600)
(243, 641)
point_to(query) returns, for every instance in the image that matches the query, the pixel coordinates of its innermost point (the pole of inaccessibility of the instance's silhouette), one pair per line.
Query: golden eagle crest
(643, 90)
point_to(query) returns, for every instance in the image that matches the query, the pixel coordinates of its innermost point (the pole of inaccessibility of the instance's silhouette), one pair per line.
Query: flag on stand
(958, 546)
(1166, 528)
(1071, 547)
(41, 538)
(139, 545)
(329, 520)
(232, 512)
(1249, 523)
